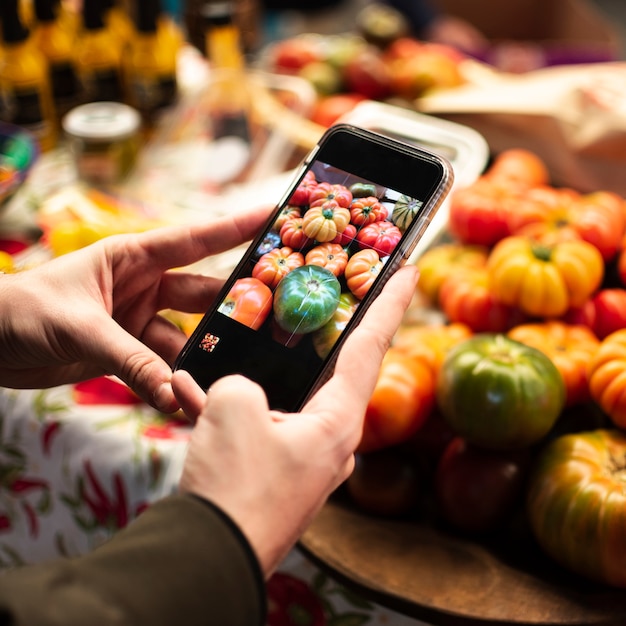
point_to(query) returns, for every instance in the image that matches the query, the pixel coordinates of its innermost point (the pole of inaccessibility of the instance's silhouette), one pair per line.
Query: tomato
(274, 265)
(609, 307)
(380, 236)
(329, 109)
(576, 504)
(519, 166)
(268, 243)
(325, 221)
(346, 237)
(430, 342)
(385, 482)
(306, 299)
(301, 196)
(287, 213)
(403, 398)
(439, 262)
(544, 281)
(498, 393)
(479, 212)
(362, 270)
(325, 192)
(569, 347)
(607, 377)
(325, 337)
(249, 302)
(476, 490)
(292, 54)
(293, 235)
(367, 210)
(329, 255)
(362, 190)
(465, 297)
(565, 215)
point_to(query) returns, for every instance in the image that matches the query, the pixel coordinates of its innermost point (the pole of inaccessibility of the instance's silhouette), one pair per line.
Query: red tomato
(292, 234)
(385, 482)
(329, 109)
(291, 55)
(478, 490)
(249, 302)
(274, 265)
(300, 196)
(380, 236)
(610, 311)
(346, 237)
(479, 213)
(402, 400)
(464, 297)
(520, 166)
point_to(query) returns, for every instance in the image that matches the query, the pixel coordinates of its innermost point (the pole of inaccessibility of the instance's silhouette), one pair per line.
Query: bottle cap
(102, 121)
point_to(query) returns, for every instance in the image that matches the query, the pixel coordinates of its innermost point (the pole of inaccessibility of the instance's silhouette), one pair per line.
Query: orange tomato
(441, 261)
(430, 343)
(403, 398)
(570, 347)
(465, 297)
(607, 377)
(362, 270)
(332, 256)
(520, 166)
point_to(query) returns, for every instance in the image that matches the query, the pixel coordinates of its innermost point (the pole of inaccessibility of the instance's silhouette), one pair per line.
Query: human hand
(269, 471)
(95, 311)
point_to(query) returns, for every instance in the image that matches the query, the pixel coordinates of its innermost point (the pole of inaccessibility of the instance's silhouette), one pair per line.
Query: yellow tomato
(544, 281)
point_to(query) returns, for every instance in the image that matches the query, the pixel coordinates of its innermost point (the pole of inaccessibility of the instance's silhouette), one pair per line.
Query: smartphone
(353, 214)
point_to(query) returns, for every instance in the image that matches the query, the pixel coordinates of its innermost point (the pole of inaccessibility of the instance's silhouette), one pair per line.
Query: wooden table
(426, 573)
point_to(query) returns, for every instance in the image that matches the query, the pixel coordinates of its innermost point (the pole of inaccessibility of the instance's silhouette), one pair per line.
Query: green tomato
(325, 337)
(577, 503)
(306, 299)
(363, 190)
(498, 393)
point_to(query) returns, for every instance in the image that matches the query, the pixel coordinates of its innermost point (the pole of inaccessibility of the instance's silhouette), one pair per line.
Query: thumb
(144, 371)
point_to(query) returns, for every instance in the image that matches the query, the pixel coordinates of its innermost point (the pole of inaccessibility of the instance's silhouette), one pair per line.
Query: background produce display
(506, 415)
(348, 68)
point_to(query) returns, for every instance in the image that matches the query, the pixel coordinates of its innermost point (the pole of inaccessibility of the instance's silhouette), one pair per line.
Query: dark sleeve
(182, 561)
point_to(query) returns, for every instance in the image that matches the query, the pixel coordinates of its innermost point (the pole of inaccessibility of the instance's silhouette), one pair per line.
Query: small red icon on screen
(208, 343)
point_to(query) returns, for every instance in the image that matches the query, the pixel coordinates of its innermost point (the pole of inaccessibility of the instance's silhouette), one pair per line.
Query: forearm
(181, 560)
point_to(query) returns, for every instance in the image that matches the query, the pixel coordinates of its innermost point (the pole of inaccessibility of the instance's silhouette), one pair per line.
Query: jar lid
(102, 121)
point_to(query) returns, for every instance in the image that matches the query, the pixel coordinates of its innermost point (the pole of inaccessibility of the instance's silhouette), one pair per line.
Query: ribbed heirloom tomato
(607, 377)
(276, 264)
(577, 504)
(362, 270)
(498, 393)
(544, 281)
(569, 346)
(402, 400)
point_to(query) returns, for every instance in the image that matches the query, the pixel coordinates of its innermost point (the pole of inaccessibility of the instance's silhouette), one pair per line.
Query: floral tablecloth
(77, 463)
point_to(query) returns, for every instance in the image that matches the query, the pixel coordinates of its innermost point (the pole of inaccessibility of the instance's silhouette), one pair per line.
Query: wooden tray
(424, 572)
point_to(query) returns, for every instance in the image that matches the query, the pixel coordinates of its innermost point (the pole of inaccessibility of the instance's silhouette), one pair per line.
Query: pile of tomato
(512, 405)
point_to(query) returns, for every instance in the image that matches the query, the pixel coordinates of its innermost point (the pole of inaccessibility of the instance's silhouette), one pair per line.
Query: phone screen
(352, 215)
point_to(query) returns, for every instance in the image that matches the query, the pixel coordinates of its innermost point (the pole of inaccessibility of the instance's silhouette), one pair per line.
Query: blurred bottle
(98, 57)
(228, 99)
(26, 95)
(118, 20)
(151, 62)
(56, 42)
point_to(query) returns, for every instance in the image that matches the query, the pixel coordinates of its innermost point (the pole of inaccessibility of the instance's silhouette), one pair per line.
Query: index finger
(177, 246)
